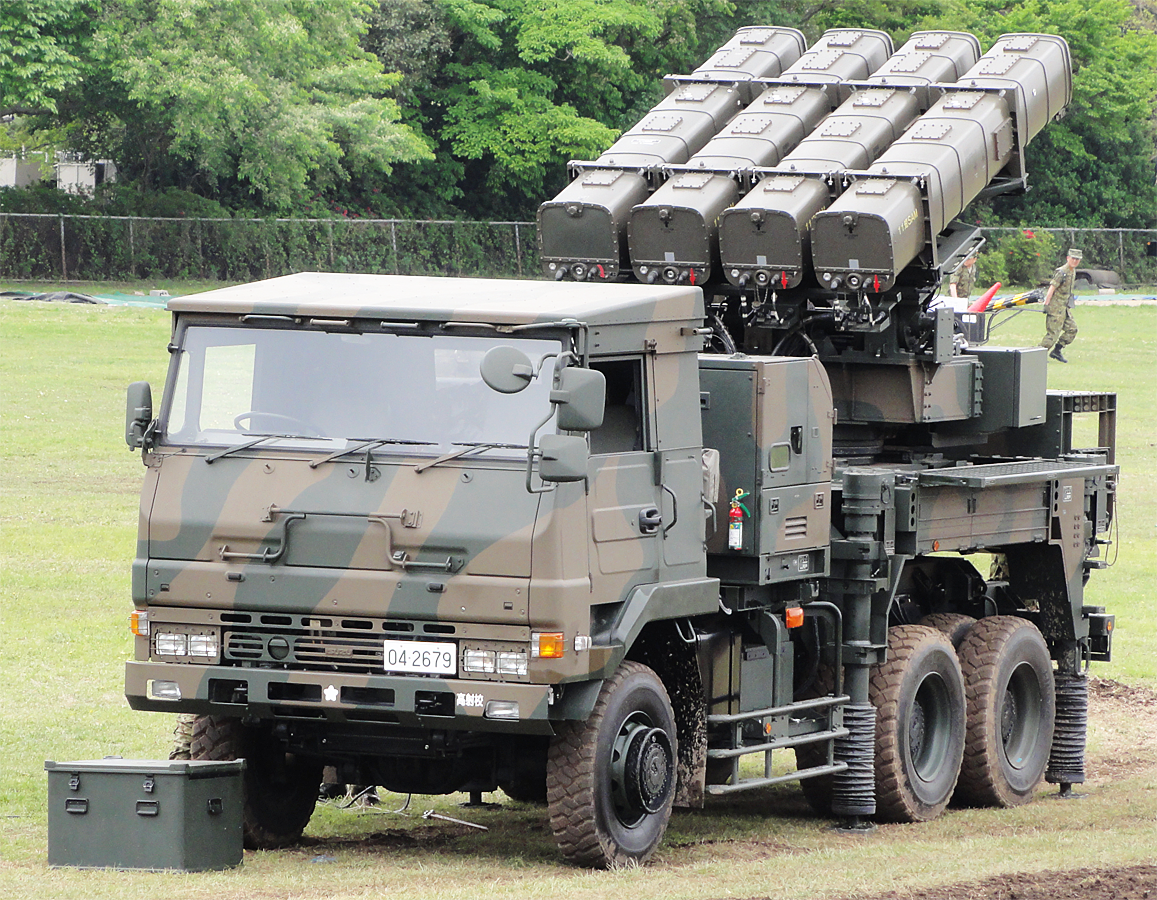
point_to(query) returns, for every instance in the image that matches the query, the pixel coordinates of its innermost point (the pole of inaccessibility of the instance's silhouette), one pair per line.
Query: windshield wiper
(245, 446)
(367, 445)
(467, 447)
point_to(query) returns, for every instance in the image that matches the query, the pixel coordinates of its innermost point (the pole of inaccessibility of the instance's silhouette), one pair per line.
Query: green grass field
(68, 513)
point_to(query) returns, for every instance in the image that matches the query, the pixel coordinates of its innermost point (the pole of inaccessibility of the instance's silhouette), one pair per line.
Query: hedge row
(101, 248)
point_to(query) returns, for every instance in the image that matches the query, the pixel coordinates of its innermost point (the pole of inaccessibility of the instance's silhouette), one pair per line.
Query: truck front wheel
(918, 693)
(279, 790)
(610, 780)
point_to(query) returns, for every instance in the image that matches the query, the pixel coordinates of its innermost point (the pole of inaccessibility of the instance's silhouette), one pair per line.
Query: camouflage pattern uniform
(964, 278)
(1060, 326)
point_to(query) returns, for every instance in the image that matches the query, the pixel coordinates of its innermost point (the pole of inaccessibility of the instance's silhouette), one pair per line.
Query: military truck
(723, 503)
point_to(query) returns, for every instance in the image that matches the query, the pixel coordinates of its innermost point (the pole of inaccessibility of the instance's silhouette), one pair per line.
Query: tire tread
(981, 783)
(894, 802)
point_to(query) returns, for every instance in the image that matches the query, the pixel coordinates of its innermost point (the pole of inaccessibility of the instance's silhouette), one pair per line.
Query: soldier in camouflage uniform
(961, 281)
(1060, 326)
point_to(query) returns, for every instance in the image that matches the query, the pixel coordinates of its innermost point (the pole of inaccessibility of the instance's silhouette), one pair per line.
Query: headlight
(163, 690)
(168, 644)
(478, 661)
(203, 645)
(512, 662)
(496, 661)
(199, 645)
(501, 709)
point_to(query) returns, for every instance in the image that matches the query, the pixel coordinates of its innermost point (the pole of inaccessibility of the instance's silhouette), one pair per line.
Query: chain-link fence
(1122, 250)
(96, 248)
(38, 246)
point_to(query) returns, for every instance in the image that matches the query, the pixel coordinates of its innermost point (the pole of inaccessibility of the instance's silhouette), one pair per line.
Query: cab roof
(489, 300)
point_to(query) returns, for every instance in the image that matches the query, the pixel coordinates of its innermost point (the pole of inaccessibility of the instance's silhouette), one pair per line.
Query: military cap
(1075, 254)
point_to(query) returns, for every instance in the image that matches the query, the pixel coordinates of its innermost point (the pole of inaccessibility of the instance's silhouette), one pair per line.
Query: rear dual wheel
(1011, 702)
(918, 693)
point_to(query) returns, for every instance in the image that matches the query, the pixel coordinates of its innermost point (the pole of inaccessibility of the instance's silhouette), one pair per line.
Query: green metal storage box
(144, 814)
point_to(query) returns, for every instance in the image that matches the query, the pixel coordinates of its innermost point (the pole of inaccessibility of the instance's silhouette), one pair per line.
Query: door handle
(650, 519)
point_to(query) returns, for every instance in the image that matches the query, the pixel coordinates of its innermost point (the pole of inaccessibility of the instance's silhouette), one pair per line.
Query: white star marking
(331, 694)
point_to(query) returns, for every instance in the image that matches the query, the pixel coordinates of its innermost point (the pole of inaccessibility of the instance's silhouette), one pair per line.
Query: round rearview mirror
(506, 369)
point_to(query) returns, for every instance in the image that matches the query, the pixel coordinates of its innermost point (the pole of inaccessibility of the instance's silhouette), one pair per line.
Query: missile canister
(764, 239)
(754, 52)
(674, 232)
(841, 54)
(952, 153)
(582, 231)
(929, 58)
(756, 243)
(673, 235)
(1036, 69)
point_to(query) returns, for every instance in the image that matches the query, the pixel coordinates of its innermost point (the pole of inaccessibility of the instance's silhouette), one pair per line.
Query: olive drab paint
(372, 537)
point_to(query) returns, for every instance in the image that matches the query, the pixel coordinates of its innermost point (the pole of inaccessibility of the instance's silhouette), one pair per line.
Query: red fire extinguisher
(735, 520)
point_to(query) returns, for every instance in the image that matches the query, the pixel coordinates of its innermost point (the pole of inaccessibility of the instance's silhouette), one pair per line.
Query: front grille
(329, 650)
(244, 646)
(338, 651)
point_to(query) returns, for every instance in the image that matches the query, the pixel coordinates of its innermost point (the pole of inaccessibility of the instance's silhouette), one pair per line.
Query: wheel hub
(916, 728)
(1009, 716)
(642, 771)
(649, 770)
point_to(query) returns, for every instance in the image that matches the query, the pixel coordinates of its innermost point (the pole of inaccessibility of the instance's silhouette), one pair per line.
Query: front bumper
(332, 696)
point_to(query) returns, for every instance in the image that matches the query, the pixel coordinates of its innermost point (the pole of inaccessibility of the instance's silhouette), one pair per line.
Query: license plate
(421, 657)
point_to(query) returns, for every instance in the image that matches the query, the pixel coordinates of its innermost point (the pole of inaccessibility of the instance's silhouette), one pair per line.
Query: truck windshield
(406, 393)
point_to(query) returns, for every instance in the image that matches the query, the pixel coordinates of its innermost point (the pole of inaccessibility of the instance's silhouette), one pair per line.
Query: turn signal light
(139, 622)
(547, 645)
(794, 616)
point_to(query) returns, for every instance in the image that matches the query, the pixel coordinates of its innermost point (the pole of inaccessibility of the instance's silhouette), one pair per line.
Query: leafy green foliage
(991, 267)
(259, 99)
(1029, 256)
(524, 85)
(473, 107)
(508, 118)
(1094, 167)
(43, 43)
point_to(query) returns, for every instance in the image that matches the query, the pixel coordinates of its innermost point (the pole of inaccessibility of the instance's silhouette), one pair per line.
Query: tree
(266, 100)
(1094, 167)
(44, 44)
(521, 86)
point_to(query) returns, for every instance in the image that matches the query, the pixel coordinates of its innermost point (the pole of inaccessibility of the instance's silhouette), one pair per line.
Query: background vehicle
(594, 543)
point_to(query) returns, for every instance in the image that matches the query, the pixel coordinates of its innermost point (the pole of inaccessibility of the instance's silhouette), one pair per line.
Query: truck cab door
(626, 524)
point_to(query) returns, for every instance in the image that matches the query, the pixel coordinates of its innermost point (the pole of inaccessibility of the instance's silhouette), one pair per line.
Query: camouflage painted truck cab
(355, 550)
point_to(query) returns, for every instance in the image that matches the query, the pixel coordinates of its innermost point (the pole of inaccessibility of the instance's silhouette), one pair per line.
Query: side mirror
(564, 458)
(581, 397)
(506, 369)
(138, 413)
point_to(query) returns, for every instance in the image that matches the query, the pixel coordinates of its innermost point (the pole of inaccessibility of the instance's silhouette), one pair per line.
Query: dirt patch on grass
(1133, 883)
(1123, 730)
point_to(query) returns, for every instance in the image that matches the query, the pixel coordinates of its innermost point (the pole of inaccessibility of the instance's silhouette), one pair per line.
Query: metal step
(737, 749)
